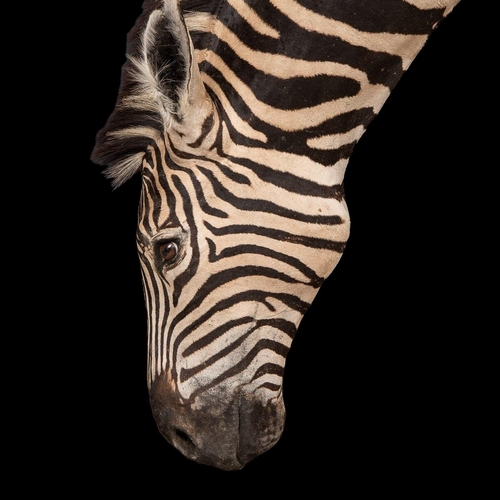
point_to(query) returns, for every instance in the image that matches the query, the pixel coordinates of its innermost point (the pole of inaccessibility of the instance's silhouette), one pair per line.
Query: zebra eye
(168, 251)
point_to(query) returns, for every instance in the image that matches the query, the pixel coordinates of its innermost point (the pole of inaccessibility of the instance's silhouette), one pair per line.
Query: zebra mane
(154, 89)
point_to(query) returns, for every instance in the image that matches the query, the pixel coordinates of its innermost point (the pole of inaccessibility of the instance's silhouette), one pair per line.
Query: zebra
(240, 116)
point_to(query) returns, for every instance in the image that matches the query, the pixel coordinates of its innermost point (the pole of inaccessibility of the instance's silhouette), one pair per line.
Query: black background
(375, 379)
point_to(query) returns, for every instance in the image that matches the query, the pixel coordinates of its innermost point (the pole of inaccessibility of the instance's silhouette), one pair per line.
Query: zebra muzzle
(222, 430)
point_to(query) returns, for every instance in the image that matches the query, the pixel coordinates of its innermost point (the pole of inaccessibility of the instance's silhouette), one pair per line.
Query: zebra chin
(228, 431)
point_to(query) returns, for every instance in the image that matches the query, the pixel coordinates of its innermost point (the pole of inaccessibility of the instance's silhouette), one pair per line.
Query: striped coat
(241, 118)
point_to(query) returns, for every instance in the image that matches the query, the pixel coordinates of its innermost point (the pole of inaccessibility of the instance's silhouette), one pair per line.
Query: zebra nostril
(183, 435)
(187, 442)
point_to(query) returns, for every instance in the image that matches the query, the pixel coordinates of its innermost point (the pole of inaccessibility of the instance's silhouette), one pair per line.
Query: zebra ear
(160, 83)
(166, 69)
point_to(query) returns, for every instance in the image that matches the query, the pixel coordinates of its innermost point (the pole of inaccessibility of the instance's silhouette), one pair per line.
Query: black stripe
(283, 325)
(262, 205)
(277, 234)
(269, 385)
(157, 325)
(292, 93)
(207, 126)
(297, 43)
(145, 208)
(261, 345)
(269, 369)
(163, 164)
(185, 277)
(376, 16)
(291, 144)
(201, 199)
(290, 182)
(215, 334)
(258, 296)
(187, 373)
(315, 280)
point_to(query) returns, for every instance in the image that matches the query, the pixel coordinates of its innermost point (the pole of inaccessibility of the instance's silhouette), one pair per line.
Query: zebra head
(242, 215)
(234, 236)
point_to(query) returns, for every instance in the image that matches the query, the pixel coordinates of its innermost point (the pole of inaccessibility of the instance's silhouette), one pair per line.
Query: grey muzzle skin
(226, 431)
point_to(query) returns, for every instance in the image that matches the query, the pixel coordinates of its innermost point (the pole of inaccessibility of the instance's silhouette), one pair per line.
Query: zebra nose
(199, 435)
(224, 433)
